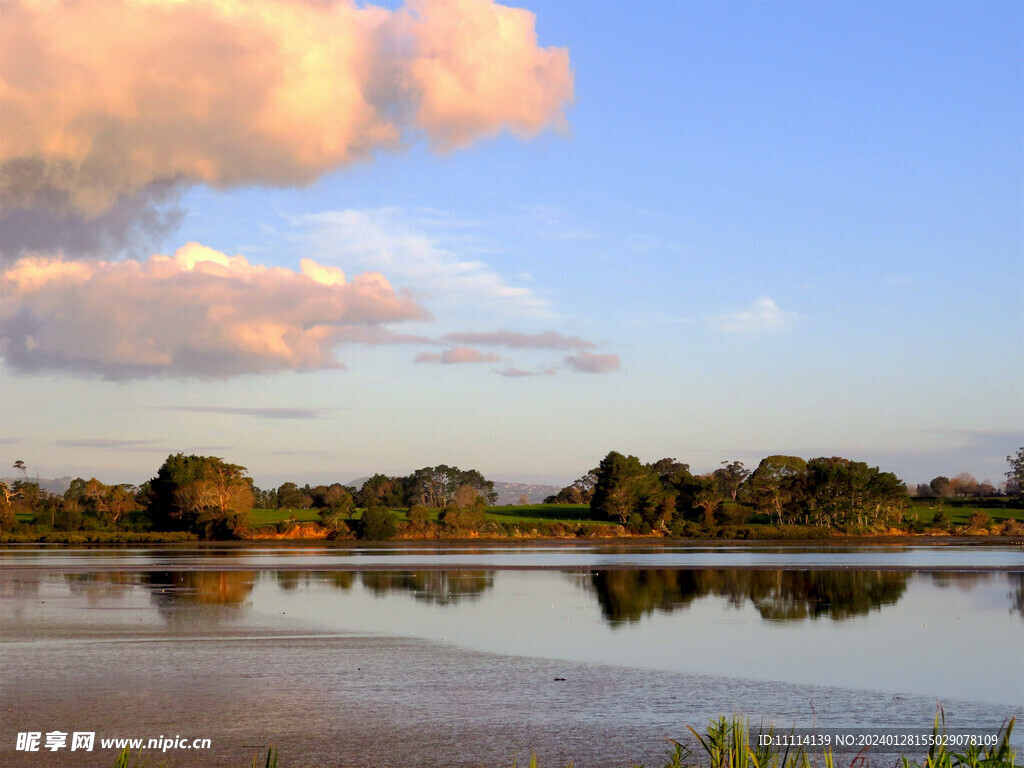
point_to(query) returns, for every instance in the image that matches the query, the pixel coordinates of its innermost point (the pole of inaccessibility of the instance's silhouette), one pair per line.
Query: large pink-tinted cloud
(198, 313)
(478, 69)
(586, 362)
(102, 100)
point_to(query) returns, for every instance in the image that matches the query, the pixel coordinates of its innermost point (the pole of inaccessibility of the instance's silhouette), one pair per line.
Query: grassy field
(958, 512)
(264, 517)
(544, 513)
(531, 514)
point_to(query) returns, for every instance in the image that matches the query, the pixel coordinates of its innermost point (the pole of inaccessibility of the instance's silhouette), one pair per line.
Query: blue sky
(753, 228)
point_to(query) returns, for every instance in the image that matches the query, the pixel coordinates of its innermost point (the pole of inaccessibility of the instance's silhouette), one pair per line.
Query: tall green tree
(438, 486)
(290, 496)
(202, 494)
(1015, 474)
(729, 477)
(940, 486)
(778, 487)
(841, 491)
(381, 490)
(631, 492)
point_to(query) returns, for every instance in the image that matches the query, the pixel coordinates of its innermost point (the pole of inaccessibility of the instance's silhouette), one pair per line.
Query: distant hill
(509, 493)
(49, 484)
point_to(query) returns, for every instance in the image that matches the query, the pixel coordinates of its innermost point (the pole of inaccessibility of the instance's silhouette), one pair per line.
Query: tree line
(827, 491)
(211, 498)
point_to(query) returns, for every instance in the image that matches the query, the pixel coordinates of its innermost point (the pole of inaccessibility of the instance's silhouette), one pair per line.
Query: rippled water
(468, 656)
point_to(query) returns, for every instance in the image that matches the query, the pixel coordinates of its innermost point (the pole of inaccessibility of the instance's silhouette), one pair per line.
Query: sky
(323, 240)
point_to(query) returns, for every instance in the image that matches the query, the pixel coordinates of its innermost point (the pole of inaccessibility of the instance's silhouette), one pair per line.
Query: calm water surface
(468, 656)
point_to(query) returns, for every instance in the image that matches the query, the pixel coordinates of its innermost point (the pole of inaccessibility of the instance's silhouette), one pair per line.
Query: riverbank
(299, 534)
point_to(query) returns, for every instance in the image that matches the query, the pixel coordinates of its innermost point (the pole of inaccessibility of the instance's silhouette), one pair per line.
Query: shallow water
(504, 555)
(342, 661)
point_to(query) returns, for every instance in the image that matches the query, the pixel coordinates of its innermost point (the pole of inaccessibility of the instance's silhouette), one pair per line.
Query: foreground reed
(729, 743)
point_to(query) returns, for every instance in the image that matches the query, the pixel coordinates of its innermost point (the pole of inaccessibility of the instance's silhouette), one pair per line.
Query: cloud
(259, 413)
(382, 239)
(478, 69)
(517, 373)
(45, 221)
(104, 100)
(105, 444)
(457, 355)
(516, 340)
(763, 316)
(199, 313)
(586, 362)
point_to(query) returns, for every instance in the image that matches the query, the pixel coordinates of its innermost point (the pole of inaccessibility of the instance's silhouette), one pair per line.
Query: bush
(419, 516)
(979, 520)
(377, 524)
(940, 521)
(469, 519)
(1010, 527)
(341, 531)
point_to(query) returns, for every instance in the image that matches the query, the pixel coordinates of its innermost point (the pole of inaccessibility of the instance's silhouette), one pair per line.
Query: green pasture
(530, 514)
(959, 512)
(956, 512)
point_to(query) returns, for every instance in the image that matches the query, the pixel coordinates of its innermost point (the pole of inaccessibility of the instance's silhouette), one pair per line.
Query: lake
(475, 654)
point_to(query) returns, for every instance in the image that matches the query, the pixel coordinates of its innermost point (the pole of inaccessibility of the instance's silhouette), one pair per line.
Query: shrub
(377, 524)
(419, 516)
(979, 520)
(340, 531)
(469, 519)
(1011, 527)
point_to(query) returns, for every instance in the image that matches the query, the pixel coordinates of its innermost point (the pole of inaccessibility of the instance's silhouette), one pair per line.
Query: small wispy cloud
(516, 340)
(389, 239)
(586, 362)
(517, 373)
(457, 355)
(763, 316)
(257, 413)
(106, 444)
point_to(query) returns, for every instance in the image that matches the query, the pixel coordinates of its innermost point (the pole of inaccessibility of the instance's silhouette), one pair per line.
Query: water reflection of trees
(102, 585)
(962, 580)
(778, 595)
(199, 595)
(292, 581)
(1016, 593)
(437, 587)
